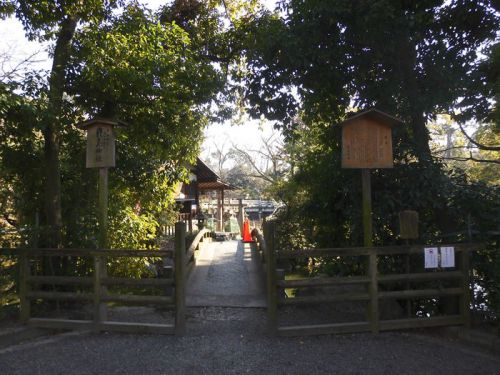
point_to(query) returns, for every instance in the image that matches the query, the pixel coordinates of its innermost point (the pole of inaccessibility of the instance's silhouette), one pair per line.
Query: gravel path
(234, 341)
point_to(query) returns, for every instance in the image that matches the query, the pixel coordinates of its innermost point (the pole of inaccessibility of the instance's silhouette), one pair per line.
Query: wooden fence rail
(376, 286)
(99, 281)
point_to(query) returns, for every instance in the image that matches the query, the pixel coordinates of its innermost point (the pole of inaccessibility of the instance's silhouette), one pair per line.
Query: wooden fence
(375, 287)
(99, 282)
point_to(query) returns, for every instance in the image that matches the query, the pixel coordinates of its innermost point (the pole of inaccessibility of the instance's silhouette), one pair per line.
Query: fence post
(466, 290)
(179, 274)
(373, 289)
(99, 308)
(24, 302)
(272, 306)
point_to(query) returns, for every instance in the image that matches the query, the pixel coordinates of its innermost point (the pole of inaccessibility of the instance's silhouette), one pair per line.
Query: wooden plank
(61, 280)
(24, 289)
(314, 253)
(180, 278)
(136, 282)
(135, 298)
(323, 281)
(61, 296)
(422, 276)
(325, 298)
(99, 308)
(88, 252)
(381, 250)
(324, 329)
(450, 320)
(271, 280)
(60, 323)
(421, 293)
(373, 291)
(142, 328)
(465, 299)
(366, 143)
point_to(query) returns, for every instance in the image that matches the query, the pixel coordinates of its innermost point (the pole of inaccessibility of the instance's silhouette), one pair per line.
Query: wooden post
(368, 242)
(190, 223)
(367, 207)
(103, 208)
(466, 296)
(222, 226)
(179, 274)
(100, 263)
(272, 303)
(24, 302)
(373, 289)
(99, 307)
(240, 214)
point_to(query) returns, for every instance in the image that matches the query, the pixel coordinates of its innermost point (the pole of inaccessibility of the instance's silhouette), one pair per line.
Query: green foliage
(410, 59)
(124, 64)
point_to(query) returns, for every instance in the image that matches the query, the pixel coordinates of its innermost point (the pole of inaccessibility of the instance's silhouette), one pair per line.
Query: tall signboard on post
(101, 155)
(367, 144)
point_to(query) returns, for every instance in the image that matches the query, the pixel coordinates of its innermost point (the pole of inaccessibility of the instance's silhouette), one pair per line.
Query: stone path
(227, 274)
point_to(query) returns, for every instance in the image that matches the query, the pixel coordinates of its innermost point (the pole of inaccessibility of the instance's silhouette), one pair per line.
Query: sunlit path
(227, 274)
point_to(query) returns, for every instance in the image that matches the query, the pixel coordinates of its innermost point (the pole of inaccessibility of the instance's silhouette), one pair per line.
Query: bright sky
(248, 134)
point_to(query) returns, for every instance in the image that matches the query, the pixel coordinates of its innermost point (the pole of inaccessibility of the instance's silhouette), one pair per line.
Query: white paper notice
(431, 257)
(447, 257)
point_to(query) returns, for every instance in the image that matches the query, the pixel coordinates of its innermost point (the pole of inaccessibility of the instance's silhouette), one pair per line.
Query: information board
(100, 147)
(366, 143)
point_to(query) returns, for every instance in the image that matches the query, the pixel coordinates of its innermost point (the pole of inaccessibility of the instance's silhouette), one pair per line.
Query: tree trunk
(419, 131)
(52, 132)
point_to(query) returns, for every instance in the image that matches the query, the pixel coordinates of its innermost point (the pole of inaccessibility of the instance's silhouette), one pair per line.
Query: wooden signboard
(100, 146)
(366, 143)
(100, 142)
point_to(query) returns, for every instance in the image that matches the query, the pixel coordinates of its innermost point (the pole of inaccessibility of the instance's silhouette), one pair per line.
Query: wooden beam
(136, 282)
(272, 295)
(180, 278)
(325, 298)
(143, 328)
(61, 296)
(134, 298)
(465, 299)
(357, 251)
(450, 320)
(323, 281)
(373, 291)
(421, 293)
(323, 329)
(422, 276)
(88, 252)
(61, 280)
(60, 323)
(24, 289)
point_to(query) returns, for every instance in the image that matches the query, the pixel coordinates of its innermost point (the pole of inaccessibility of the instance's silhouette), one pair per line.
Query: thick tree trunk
(419, 131)
(52, 132)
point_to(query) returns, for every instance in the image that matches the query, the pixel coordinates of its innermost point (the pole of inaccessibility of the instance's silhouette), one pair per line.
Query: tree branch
(472, 158)
(478, 145)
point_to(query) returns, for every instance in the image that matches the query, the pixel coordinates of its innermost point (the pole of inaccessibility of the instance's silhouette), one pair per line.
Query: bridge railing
(98, 282)
(204, 235)
(375, 287)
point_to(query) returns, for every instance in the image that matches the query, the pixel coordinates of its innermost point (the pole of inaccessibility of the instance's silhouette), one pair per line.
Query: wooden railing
(99, 281)
(192, 251)
(376, 287)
